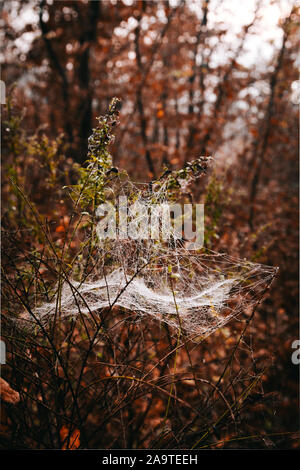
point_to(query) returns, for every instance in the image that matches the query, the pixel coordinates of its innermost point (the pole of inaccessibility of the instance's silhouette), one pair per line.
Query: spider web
(195, 291)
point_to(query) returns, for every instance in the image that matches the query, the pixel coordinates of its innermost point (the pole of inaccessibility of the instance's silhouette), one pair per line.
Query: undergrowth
(107, 379)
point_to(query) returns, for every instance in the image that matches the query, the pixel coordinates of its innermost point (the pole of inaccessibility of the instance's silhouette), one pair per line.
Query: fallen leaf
(8, 394)
(60, 229)
(74, 440)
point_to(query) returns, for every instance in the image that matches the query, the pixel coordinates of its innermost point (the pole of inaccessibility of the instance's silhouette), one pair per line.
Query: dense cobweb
(196, 291)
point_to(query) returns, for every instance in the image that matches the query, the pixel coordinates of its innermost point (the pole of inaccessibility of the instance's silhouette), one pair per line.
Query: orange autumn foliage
(74, 440)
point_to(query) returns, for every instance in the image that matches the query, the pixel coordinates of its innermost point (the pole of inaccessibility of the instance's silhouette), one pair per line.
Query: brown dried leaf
(8, 394)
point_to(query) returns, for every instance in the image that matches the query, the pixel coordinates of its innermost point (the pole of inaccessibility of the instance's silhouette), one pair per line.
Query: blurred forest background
(211, 77)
